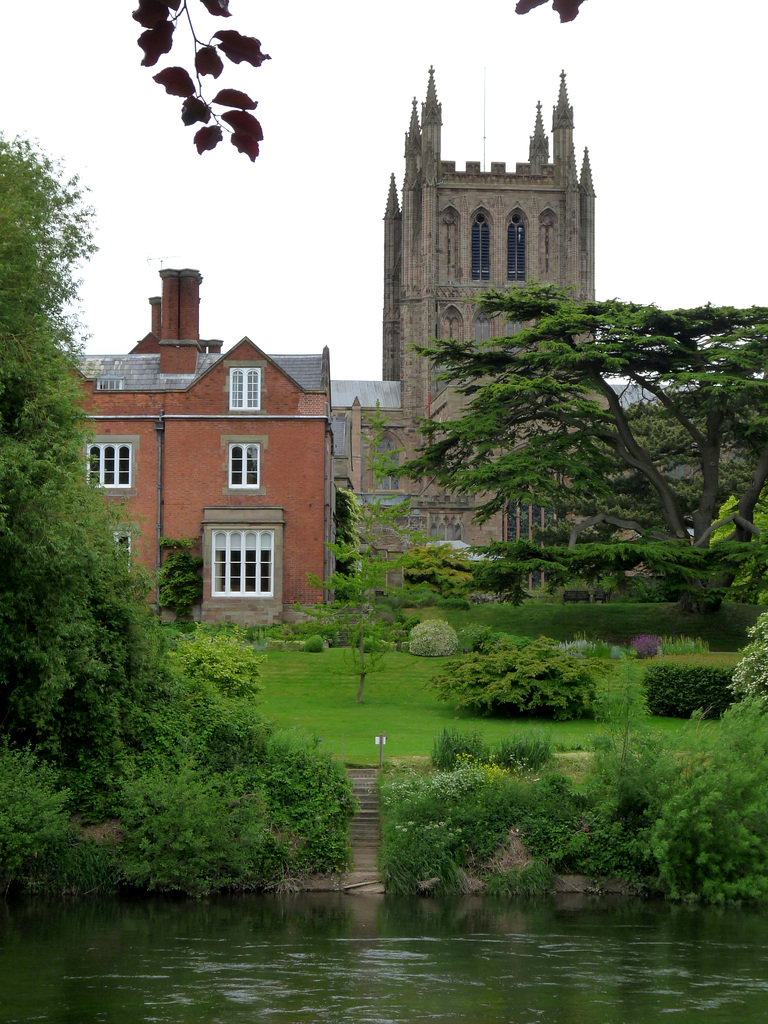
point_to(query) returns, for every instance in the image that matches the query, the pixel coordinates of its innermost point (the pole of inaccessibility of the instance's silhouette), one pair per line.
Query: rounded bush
(314, 645)
(433, 639)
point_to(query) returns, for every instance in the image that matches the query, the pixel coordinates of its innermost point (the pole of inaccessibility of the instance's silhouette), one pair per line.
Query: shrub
(646, 646)
(451, 743)
(676, 691)
(33, 818)
(433, 639)
(539, 679)
(224, 660)
(189, 831)
(750, 677)
(711, 836)
(314, 644)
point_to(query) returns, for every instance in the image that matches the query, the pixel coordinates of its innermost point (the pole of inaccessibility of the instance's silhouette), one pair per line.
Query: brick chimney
(155, 303)
(179, 320)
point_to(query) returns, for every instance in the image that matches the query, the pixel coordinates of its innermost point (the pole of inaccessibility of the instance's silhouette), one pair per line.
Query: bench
(574, 596)
(601, 597)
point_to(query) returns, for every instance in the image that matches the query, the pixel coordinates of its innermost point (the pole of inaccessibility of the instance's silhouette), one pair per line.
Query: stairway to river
(364, 832)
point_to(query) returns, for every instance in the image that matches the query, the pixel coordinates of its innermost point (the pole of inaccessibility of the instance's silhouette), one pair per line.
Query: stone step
(365, 827)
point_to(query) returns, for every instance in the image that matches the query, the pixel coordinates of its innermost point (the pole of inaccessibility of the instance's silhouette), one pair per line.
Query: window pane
(94, 458)
(236, 389)
(251, 546)
(109, 464)
(252, 465)
(124, 465)
(236, 465)
(253, 389)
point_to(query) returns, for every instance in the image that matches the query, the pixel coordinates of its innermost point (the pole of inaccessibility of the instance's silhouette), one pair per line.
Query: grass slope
(724, 630)
(317, 693)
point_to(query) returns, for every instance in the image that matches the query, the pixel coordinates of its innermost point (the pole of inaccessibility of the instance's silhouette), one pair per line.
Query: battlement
(498, 174)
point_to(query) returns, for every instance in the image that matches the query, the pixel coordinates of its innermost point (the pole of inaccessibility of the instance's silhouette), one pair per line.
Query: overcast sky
(669, 96)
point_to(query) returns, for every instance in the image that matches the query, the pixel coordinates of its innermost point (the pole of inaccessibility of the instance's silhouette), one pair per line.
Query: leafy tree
(76, 643)
(554, 411)
(363, 566)
(160, 20)
(438, 566)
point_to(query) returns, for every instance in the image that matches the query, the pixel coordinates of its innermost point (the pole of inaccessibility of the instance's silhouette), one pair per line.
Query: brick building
(231, 449)
(455, 234)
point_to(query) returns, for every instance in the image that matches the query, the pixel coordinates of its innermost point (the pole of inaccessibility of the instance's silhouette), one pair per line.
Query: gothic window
(481, 249)
(482, 328)
(516, 249)
(451, 327)
(547, 242)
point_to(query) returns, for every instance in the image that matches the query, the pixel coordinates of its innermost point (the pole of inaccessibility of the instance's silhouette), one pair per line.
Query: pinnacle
(562, 114)
(393, 204)
(539, 146)
(585, 182)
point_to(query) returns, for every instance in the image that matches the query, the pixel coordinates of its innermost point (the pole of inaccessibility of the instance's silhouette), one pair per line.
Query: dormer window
(110, 383)
(245, 388)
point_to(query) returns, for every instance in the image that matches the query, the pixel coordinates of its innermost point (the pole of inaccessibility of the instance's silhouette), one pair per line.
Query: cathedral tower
(459, 232)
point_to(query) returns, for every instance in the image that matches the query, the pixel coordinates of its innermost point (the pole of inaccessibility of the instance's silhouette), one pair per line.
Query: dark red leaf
(176, 81)
(208, 138)
(567, 9)
(234, 98)
(246, 144)
(155, 42)
(241, 48)
(243, 124)
(150, 13)
(208, 61)
(194, 109)
(217, 7)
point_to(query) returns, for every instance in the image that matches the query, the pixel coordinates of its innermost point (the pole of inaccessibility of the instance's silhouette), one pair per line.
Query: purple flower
(646, 646)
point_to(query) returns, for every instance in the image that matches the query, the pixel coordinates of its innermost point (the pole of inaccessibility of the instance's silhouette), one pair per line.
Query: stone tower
(460, 232)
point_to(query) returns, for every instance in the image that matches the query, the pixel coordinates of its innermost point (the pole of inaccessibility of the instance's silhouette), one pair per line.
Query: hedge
(676, 691)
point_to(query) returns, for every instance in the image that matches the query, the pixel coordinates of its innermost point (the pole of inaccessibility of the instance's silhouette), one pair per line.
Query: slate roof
(344, 392)
(141, 372)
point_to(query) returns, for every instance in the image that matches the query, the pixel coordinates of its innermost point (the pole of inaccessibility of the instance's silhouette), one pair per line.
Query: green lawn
(724, 630)
(317, 692)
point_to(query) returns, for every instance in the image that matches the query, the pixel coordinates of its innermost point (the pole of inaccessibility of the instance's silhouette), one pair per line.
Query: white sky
(669, 96)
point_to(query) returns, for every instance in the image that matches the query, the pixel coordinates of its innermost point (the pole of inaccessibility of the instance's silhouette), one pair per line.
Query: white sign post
(381, 739)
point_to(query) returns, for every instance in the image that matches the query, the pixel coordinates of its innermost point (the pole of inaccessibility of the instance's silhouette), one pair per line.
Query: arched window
(482, 328)
(388, 481)
(451, 326)
(481, 249)
(516, 249)
(245, 388)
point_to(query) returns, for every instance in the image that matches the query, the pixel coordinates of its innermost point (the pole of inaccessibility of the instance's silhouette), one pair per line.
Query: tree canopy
(73, 642)
(635, 418)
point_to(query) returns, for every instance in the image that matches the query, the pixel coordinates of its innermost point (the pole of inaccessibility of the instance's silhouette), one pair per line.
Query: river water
(333, 959)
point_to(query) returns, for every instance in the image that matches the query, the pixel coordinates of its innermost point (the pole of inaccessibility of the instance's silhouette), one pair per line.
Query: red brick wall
(295, 458)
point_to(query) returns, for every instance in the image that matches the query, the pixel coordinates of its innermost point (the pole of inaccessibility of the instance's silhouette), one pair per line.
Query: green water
(357, 959)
